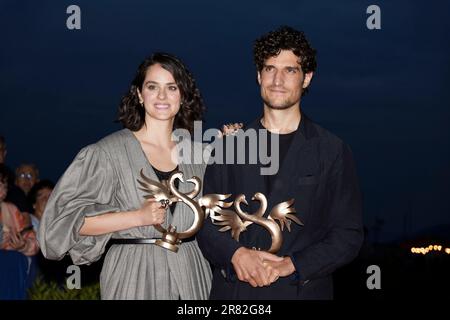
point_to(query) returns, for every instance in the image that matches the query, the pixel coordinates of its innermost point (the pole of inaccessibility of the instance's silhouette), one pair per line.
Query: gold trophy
(238, 221)
(166, 193)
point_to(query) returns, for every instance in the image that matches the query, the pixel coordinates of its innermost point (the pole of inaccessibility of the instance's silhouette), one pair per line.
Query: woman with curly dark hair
(98, 197)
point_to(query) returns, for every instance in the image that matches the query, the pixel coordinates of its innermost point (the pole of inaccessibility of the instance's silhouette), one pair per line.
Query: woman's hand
(151, 213)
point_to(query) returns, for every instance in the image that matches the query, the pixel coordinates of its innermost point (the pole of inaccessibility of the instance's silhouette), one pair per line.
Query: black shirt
(284, 141)
(164, 176)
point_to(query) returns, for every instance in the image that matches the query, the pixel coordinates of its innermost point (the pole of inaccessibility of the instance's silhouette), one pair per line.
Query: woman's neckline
(145, 156)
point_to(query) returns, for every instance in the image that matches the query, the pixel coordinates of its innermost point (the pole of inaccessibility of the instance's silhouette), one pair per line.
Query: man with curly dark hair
(316, 169)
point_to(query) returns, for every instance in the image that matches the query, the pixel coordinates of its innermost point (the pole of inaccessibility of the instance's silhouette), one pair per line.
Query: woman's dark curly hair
(132, 113)
(285, 38)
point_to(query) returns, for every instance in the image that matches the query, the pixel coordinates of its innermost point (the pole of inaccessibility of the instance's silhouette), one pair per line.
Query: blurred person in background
(27, 175)
(15, 194)
(17, 243)
(38, 197)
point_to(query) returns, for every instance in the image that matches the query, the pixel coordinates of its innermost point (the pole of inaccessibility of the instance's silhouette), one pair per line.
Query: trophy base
(167, 245)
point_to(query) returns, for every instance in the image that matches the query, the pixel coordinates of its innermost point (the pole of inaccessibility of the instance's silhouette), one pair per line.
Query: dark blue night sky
(383, 91)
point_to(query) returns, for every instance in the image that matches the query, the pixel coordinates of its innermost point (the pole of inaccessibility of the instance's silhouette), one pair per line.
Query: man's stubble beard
(285, 105)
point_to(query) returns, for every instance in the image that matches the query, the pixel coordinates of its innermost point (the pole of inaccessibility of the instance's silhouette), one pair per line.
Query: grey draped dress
(103, 179)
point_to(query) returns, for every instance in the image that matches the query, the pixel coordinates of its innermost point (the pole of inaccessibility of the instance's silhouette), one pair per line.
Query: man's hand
(273, 273)
(249, 266)
(282, 268)
(230, 129)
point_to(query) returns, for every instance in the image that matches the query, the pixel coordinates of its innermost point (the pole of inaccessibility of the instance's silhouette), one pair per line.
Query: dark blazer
(319, 173)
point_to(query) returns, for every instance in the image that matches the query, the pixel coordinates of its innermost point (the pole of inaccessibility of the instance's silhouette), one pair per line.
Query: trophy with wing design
(238, 221)
(166, 193)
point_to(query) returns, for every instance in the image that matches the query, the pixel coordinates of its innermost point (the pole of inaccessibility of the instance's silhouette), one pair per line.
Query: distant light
(429, 248)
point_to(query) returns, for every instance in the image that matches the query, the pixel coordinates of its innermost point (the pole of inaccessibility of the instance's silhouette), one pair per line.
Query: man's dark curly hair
(132, 114)
(285, 38)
